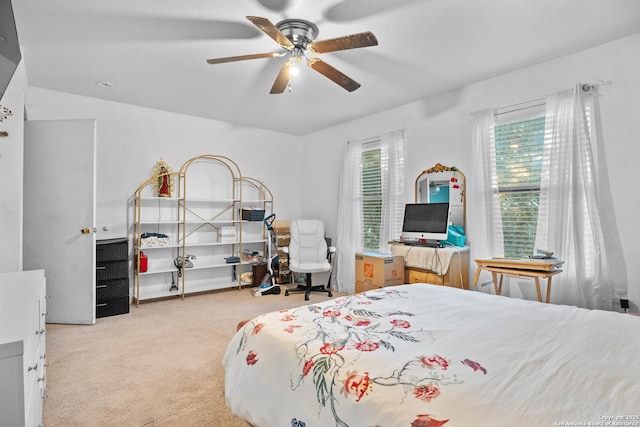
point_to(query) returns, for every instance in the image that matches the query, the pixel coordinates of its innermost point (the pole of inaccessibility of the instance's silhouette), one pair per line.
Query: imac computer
(425, 223)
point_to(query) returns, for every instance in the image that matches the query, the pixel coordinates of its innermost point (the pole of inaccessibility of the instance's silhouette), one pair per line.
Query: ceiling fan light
(294, 70)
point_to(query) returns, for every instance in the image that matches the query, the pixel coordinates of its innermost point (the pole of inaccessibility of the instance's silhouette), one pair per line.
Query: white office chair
(308, 253)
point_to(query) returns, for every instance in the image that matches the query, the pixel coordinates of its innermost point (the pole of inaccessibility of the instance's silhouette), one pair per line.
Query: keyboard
(424, 244)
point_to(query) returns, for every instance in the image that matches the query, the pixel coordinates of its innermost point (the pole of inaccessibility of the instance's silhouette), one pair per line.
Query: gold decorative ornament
(163, 185)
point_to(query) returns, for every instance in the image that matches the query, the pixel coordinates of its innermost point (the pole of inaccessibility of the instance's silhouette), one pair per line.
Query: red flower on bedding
(398, 323)
(328, 348)
(435, 361)
(307, 367)
(331, 313)
(291, 328)
(427, 421)
(356, 385)
(474, 365)
(252, 358)
(367, 346)
(288, 318)
(257, 328)
(362, 322)
(426, 392)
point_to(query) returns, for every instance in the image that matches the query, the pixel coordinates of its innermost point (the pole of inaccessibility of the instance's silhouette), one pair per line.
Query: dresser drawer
(112, 307)
(112, 270)
(109, 289)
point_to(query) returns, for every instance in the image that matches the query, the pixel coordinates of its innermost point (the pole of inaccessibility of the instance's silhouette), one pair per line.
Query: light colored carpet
(159, 365)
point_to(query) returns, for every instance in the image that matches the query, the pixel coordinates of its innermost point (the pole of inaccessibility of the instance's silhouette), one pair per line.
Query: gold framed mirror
(443, 184)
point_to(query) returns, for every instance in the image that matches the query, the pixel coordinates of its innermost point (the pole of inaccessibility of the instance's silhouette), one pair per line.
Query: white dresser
(23, 308)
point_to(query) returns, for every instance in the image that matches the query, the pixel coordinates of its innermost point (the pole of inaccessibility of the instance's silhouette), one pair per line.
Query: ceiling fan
(297, 37)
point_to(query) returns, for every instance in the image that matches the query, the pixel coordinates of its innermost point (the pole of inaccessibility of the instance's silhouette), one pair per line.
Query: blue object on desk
(455, 236)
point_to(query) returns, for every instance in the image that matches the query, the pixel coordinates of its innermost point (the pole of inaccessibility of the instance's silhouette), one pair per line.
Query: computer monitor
(424, 222)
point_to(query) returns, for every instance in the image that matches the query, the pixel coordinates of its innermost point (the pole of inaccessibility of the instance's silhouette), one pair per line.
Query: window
(371, 200)
(519, 156)
(371, 196)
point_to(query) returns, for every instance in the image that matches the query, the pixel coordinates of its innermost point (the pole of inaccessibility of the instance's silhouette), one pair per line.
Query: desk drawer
(422, 276)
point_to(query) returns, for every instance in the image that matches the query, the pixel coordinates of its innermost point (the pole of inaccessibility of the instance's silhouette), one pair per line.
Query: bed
(426, 355)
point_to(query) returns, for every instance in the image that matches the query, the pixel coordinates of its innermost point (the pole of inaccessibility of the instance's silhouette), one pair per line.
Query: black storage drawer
(112, 250)
(112, 277)
(112, 307)
(109, 289)
(112, 270)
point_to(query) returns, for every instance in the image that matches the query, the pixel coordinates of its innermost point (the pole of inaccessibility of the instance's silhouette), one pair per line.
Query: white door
(59, 215)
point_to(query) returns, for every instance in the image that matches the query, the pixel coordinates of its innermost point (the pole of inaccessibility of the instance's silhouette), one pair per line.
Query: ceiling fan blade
(352, 41)
(282, 80)
(332, 74)
(242, 58)
(271, 30)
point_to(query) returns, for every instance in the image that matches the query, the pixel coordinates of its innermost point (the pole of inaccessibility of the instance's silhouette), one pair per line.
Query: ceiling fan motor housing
(298, 31)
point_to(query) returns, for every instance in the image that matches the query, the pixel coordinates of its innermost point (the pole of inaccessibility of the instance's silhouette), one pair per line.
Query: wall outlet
(621, 293)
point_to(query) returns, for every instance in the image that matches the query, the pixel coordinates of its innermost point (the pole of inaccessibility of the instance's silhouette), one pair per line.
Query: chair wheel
(286, 293)
(330, 294)
(306, 297)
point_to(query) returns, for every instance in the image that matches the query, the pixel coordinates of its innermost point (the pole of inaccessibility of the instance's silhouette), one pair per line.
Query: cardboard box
(376, 270)
(280, 226)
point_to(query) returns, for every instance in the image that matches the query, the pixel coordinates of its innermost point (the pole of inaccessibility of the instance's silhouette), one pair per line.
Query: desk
(448, 266)
(521, 267)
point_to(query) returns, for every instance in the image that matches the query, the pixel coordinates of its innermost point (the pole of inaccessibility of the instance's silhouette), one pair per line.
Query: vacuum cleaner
(268, 284)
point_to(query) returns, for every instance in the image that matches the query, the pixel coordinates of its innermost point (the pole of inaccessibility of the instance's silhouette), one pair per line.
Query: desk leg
(548, 289)
(500, 284)
(494, 277)
(477, 275)
(537, 280)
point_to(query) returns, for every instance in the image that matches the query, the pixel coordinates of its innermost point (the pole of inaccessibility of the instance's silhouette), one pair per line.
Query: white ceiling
(154, 51)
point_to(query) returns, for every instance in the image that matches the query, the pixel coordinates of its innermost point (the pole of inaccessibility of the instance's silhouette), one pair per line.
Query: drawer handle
(101, 268)
(101, 286)
(101, 305)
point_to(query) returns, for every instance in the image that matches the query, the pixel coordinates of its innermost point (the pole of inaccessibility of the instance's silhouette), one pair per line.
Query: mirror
(441, 184)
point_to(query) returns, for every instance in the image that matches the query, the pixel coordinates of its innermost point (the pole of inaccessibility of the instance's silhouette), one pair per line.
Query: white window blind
(519, 158)
(371, 196)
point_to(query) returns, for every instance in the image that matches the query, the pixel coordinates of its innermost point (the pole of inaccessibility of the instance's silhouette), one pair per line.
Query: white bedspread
(427, 355)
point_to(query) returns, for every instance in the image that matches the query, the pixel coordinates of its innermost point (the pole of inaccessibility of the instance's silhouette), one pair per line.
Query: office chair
(309, 253)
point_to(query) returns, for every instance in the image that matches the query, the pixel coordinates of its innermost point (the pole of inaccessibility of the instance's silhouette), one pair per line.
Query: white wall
(439, 130)
(304, 172)
(131, 139)
(11, 149)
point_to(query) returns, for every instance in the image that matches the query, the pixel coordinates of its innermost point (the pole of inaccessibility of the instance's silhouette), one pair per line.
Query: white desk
(448, 266)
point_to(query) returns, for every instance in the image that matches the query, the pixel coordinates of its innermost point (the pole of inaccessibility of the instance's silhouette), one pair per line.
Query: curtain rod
(375, 139)
(586, 87)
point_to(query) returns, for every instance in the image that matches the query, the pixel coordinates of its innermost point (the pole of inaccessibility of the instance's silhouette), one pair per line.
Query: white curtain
(350, 237)
(349, 217)
(482, 191)
(569, 215)
(392, 154)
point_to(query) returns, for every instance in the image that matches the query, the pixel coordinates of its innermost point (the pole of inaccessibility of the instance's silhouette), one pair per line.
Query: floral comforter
(425, 355)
